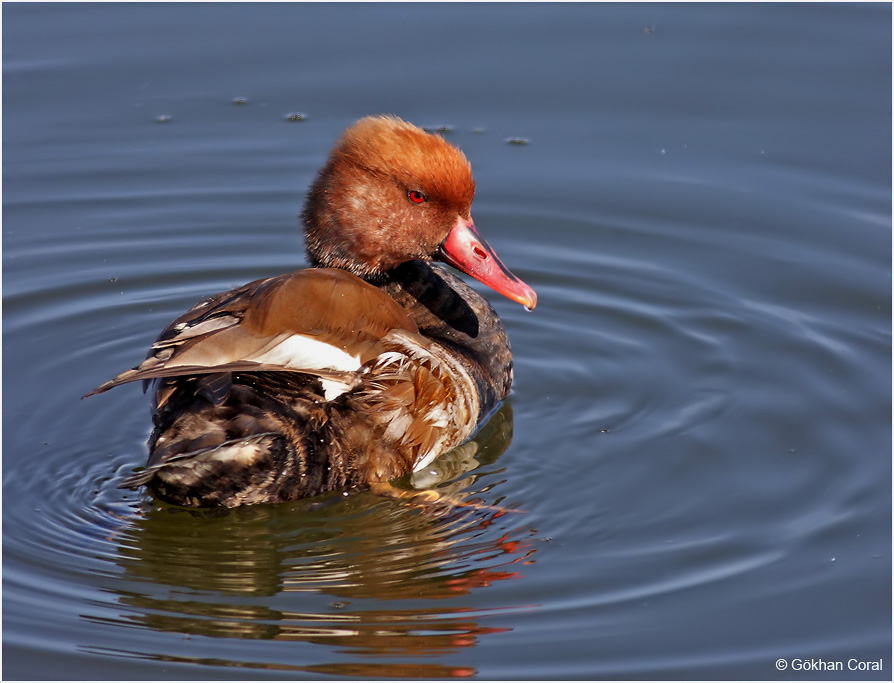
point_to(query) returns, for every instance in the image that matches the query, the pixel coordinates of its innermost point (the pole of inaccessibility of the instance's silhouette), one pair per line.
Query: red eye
(417, 197)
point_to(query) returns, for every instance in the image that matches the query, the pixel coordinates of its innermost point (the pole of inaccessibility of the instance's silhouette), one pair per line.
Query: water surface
(699, 436)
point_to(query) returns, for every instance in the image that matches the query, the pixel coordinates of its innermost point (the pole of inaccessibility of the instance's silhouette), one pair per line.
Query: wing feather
(321, 321)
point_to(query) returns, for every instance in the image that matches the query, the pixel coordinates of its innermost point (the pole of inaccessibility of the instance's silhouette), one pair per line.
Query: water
(698, 441)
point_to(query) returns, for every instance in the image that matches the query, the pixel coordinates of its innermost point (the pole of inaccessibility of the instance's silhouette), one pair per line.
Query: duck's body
(359, 370)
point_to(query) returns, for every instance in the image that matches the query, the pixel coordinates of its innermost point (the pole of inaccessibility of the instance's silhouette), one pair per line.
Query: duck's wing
(323, 321)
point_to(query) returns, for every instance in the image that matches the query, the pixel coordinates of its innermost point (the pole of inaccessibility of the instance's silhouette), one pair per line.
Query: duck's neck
(451, 312)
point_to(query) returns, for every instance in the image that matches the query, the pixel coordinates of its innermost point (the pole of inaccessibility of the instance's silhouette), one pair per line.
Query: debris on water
(518, 141)
(163, 118)
(240, 100)
(295, 116)
(478, 130)
(438, 129)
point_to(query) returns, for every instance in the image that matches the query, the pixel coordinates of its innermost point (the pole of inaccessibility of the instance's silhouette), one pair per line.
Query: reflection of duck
(362, 576)
(364, 368)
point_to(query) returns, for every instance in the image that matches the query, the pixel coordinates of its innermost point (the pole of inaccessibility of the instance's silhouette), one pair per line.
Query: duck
(362, 368)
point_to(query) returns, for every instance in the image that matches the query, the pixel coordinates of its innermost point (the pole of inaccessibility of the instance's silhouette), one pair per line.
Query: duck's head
(391, 193)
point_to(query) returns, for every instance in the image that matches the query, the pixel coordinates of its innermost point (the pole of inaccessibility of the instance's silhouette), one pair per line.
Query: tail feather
(147, 474)
(138, 373)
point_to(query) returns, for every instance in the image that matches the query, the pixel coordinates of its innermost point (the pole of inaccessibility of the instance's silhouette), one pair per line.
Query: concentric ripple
(629, 376)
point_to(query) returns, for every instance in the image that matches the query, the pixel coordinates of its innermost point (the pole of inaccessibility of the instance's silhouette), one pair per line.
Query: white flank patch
(438, 418)
(304, 353)
(399, 423)
(332, 389)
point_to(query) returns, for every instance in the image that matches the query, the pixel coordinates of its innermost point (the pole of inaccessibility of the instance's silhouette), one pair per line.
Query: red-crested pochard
(365, 367)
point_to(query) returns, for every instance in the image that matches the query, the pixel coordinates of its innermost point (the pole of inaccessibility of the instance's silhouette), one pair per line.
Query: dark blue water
(699, 436)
